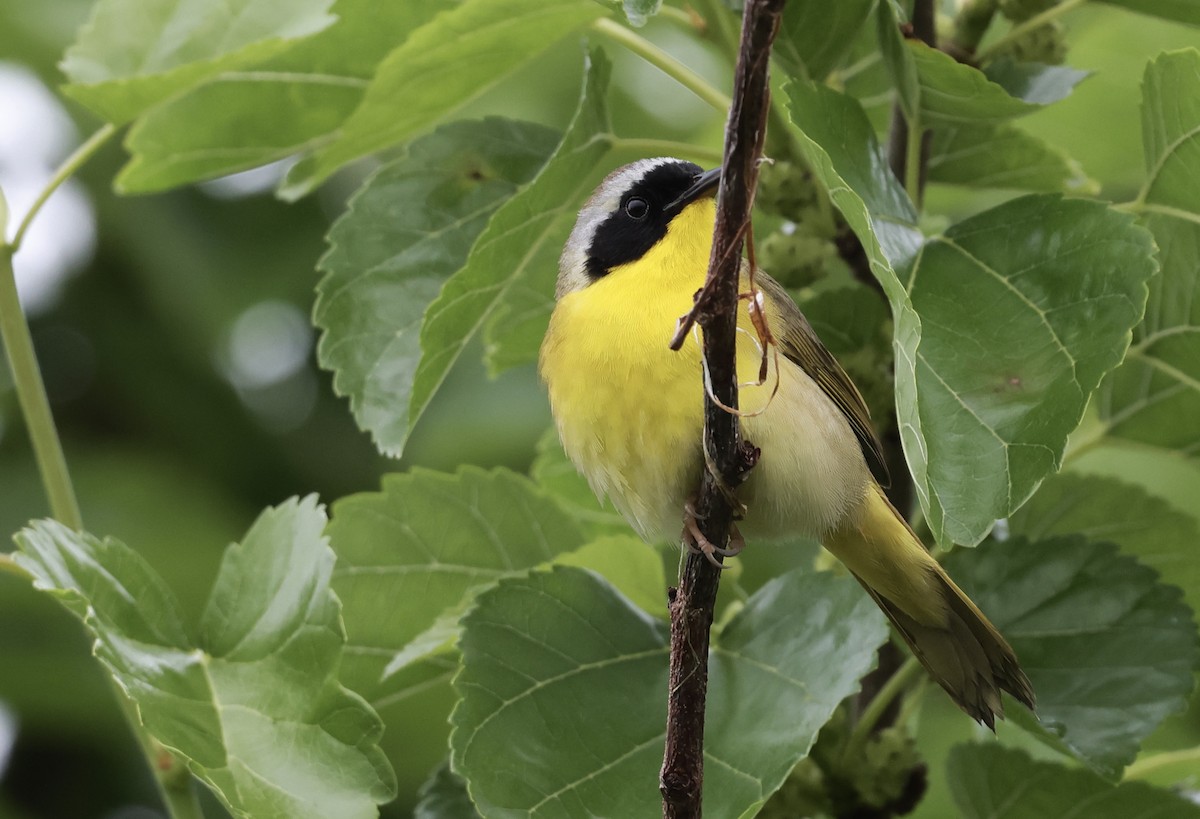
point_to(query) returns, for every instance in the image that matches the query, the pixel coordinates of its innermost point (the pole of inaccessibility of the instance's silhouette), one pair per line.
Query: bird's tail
(951, 637)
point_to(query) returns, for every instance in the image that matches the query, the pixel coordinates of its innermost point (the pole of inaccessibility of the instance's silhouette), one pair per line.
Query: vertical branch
(728, 457)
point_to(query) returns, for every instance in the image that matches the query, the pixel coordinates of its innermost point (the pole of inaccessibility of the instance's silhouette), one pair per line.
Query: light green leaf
(444, 796)
(554, 473)
(630, 565)
(469, 49)
(1109, 649)
(508, 273)
(1154, 397)
(245, 118)
(1183, 11)
(254, 705)
(993, 782)
(134, 54)
(408, 228)
(1102, 508)
(563, 693)
(814, 36)
(1024, 307)
(1003, 156)
(423, 547)
(956, 94)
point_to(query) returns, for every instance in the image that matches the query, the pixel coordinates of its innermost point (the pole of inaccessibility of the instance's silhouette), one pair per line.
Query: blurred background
(174, 337)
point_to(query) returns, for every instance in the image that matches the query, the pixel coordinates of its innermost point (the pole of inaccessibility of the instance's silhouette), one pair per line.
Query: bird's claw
(697, 543)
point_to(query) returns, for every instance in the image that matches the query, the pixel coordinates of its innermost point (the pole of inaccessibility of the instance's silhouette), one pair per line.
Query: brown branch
(728, 458)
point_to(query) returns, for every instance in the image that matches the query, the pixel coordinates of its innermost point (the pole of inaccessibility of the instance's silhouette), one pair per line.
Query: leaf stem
(660, 59)
(875, 709)
(10, 566)
(667, 147)
(1143, 768)
(31, 394)
(912, 161)
(1020, 29)
(70, 165)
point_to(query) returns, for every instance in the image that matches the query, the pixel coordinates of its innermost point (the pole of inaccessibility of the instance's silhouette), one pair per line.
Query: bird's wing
(800, 344)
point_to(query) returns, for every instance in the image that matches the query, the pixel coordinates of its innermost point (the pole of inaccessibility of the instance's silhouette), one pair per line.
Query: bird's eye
(637, 208)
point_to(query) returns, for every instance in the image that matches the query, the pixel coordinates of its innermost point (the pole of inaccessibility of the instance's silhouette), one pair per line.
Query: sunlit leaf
(468, 49)
(1154, 398)
(993, 782)
(1110, 649)
(1024, 308)
(1102, 508)
(423, 547)
(134, 54)
(245, 118)
(507, 274)
(254, 705)
(410, 226)
(563, 703)
(1003, 156)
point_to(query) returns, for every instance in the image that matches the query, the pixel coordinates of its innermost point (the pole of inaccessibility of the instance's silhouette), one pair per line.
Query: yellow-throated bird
(630, 414)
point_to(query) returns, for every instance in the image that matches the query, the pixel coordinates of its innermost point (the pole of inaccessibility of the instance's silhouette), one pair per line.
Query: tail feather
(948, 634)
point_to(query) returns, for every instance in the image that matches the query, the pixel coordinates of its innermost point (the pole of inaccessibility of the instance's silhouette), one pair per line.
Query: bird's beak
(705, 185)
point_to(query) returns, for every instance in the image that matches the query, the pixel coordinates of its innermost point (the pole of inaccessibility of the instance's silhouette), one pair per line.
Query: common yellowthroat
(629, 412)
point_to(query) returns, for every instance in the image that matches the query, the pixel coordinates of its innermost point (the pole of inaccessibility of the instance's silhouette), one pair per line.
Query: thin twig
(729, 458)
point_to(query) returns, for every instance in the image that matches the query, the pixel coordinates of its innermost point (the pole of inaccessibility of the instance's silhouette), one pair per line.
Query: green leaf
(242, 119)
(1109, 649)
(469, 49)
(444, 796)
(134, 54)
(630, 565)
(992, 782)
(814, 36)
(1183, 11)
(639, 11)
(1034, 82)
(254, 705)
(1102, 508)
(407, 229)
(562, 693)
(898, 58)
(423, 547)
(1003, 156)
(508, 273)
(556, 474)
(957, 94)
(1154, 397)
(1025, 307)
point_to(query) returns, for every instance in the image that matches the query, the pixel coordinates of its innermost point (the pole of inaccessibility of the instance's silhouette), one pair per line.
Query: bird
(629, 413)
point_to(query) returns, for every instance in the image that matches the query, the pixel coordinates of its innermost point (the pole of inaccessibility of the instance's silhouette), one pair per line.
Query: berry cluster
(1042, 44)
(798, 252)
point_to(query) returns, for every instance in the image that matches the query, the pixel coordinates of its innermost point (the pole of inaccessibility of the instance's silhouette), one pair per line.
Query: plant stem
(667, 147)
(895, 685)
(31, 393)
(670, 66)
(1020, 29)
(912, 161)
(1147, 766)
(70, 165)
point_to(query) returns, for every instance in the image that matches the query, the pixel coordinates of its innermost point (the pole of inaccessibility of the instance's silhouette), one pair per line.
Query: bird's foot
(697, 543)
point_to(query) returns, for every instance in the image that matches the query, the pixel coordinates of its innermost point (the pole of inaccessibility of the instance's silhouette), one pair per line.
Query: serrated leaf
(1109, 649)
(562, 693)
(1183, 11)
(993, 782)
(1003, 156)
(814, 36)
(408, 228)
(242, 119)
(469, 49)
(134, 54)
(509, 260)
(1154, 397)
(1060, 284)
(444, 796)
(254, 705)
(1103, 508)
(423, 547)
(1035, 83)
